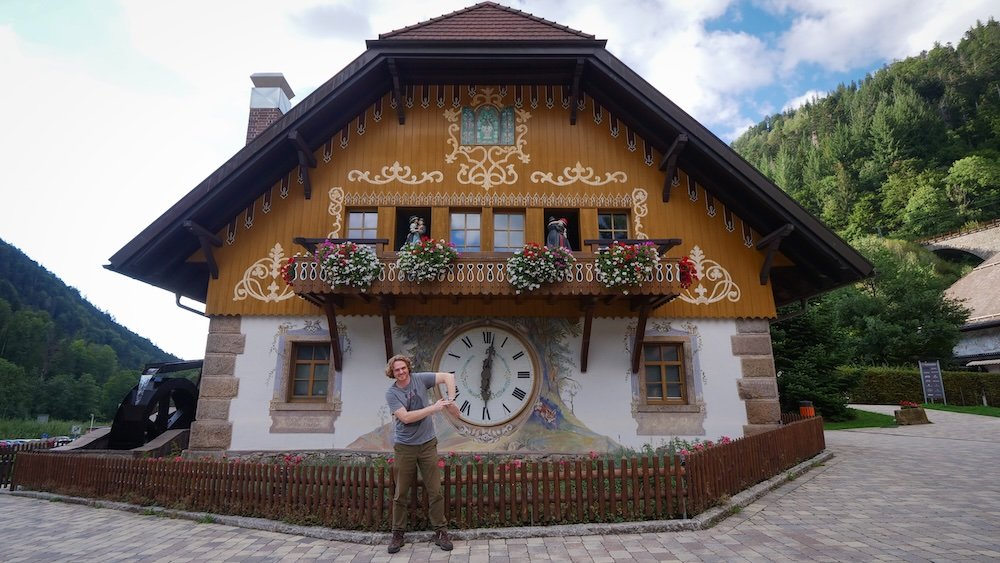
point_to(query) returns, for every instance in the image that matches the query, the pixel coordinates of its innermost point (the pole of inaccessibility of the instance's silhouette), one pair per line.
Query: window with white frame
(612, 225)
(508, 231)
(362, 223)
(465, 231)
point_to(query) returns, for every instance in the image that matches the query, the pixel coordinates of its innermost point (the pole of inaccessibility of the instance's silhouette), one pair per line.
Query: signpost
(930, 380)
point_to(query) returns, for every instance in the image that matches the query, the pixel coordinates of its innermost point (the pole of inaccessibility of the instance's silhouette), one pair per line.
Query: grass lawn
(980, 410)
(862, 419)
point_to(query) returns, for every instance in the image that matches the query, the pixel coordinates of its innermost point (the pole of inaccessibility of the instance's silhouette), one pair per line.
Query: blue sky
(116, 109)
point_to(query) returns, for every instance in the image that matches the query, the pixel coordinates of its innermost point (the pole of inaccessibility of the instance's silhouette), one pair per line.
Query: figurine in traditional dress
(556, 235)
(417, 230)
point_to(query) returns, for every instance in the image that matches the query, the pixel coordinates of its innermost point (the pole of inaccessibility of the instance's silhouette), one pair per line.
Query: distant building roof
(977, 291)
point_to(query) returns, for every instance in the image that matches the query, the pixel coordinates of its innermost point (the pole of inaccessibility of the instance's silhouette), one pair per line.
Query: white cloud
(799, 101)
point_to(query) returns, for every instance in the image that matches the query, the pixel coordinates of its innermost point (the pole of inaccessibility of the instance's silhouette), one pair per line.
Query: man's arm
(408, 417)
(448, 379)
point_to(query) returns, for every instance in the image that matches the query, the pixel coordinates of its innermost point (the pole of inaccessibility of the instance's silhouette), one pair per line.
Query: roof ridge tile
(423, 30)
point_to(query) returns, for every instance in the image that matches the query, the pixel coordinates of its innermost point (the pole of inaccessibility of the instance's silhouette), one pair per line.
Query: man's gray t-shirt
(413, 397)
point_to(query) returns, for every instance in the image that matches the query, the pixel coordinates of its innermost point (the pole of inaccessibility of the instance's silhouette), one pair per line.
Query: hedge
(890, 385)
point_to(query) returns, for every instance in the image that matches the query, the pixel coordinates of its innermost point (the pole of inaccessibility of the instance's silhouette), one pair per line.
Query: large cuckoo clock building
(486, 127)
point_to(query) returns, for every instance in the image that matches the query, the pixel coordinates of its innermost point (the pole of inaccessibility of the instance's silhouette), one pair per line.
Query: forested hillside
(910, 151)
(59, 354)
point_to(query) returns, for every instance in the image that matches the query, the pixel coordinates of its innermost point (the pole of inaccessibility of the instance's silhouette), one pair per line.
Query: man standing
(415, 444)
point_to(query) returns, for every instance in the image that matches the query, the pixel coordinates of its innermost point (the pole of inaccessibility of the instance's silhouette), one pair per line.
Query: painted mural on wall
(547, 423)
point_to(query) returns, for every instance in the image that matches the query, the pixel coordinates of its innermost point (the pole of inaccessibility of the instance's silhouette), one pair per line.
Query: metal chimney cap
(272, 80)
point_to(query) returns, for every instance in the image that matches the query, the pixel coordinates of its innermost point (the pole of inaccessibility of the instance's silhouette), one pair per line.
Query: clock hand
(487, 374)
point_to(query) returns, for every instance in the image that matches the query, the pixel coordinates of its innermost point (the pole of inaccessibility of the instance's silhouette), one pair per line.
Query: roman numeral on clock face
(486, 413)
(519, 393)
(467, 341)
(517, 356)
(487, 337)
(466, 408)
(523, 374)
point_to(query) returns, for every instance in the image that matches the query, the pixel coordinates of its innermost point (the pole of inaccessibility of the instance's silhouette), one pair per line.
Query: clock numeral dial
(496, 373)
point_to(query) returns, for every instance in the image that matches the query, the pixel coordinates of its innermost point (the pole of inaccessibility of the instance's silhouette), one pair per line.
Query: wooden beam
(640, 336)
(669, 164)
(397, 92)
(575, 91)
(588, 309)
(331, 321)
(306, 159)
(769, 244)
(207, 240)
(386, 303)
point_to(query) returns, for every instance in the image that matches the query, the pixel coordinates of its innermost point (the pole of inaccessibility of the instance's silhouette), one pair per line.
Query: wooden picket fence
(520, 493)
(9, 453)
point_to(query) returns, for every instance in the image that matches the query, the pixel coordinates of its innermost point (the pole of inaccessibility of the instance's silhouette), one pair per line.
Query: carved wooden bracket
(331, 320)
(575, 91)
(207, 239)
(397, 92)
(587, 304)
(669, 163)
(769, 245)
(640, 334)
(306, 159)
(386, 302)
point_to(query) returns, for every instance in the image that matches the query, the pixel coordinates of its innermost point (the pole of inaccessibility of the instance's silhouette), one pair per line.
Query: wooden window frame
(466, 230)
(688, 403)
(364, 228)
(613, 212)
(291, 361)
(524, 228)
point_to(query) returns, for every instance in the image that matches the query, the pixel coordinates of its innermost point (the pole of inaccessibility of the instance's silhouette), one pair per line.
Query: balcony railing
(486, 274)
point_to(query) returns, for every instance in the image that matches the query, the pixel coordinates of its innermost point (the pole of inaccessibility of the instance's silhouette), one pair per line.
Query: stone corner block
(751, 429)
(751, 344)
(747, 326)
(213, 409)
(758, 366)
(763, 411)
(210, 435)
(225, 343)
(224, 323)
(218, 387)
(757, 388)
(219, 364)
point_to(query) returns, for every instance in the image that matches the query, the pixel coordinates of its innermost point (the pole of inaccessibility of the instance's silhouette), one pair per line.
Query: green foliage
(57, 351)
(977, 410)
(30, 429)
(914, 140)
(890, 385)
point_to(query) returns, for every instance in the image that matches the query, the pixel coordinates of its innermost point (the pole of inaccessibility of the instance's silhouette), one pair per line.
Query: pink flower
(451, 454)
(593, 454)
(517, 463)
(698, 447)
(478, 458)
(440, 463)
(685, 452)
(390, 460)
(725, 439)
(709, 443)
(178, 458)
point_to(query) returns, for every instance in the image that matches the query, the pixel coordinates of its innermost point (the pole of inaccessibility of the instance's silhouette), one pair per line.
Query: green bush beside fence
(890, 385)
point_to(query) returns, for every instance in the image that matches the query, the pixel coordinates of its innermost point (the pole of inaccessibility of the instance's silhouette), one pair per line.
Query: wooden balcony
(476, 285)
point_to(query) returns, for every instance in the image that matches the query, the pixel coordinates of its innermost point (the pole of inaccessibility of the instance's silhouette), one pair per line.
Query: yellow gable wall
(356, 170)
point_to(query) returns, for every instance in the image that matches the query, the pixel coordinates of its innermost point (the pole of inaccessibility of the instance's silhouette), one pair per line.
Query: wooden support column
(207, 239)
(386, 303)
(397, 92)
(306, 159)
(588, 319)
(669, 163)
(769, 245)
(640, 335)
(574, 100)
(331, 320)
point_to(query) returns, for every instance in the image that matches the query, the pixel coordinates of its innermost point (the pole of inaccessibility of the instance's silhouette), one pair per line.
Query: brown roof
(487, 21)
(976, 290)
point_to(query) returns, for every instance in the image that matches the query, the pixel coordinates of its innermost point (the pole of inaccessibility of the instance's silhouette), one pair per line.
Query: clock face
(495, 372)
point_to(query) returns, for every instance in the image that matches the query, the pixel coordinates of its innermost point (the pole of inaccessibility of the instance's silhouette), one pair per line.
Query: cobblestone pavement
(915, 493)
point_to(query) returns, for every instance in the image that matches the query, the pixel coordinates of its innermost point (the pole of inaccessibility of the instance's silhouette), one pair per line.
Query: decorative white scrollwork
(336, 210)
(398, 173)
(266, 270)
(720, 283)
(485, 435)
(579, 173)
(493, 199)
(639, 197)
(487, 165)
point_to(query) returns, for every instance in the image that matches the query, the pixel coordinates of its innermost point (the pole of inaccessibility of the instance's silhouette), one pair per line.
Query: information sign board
(930, 379)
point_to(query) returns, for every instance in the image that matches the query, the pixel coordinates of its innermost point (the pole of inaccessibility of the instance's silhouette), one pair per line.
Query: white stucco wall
(602, 403)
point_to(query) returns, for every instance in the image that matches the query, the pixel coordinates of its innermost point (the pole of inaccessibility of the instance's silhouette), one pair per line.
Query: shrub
(427, 259)
(534, 265)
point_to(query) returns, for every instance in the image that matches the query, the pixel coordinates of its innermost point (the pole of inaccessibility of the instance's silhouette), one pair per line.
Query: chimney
(268, 101)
